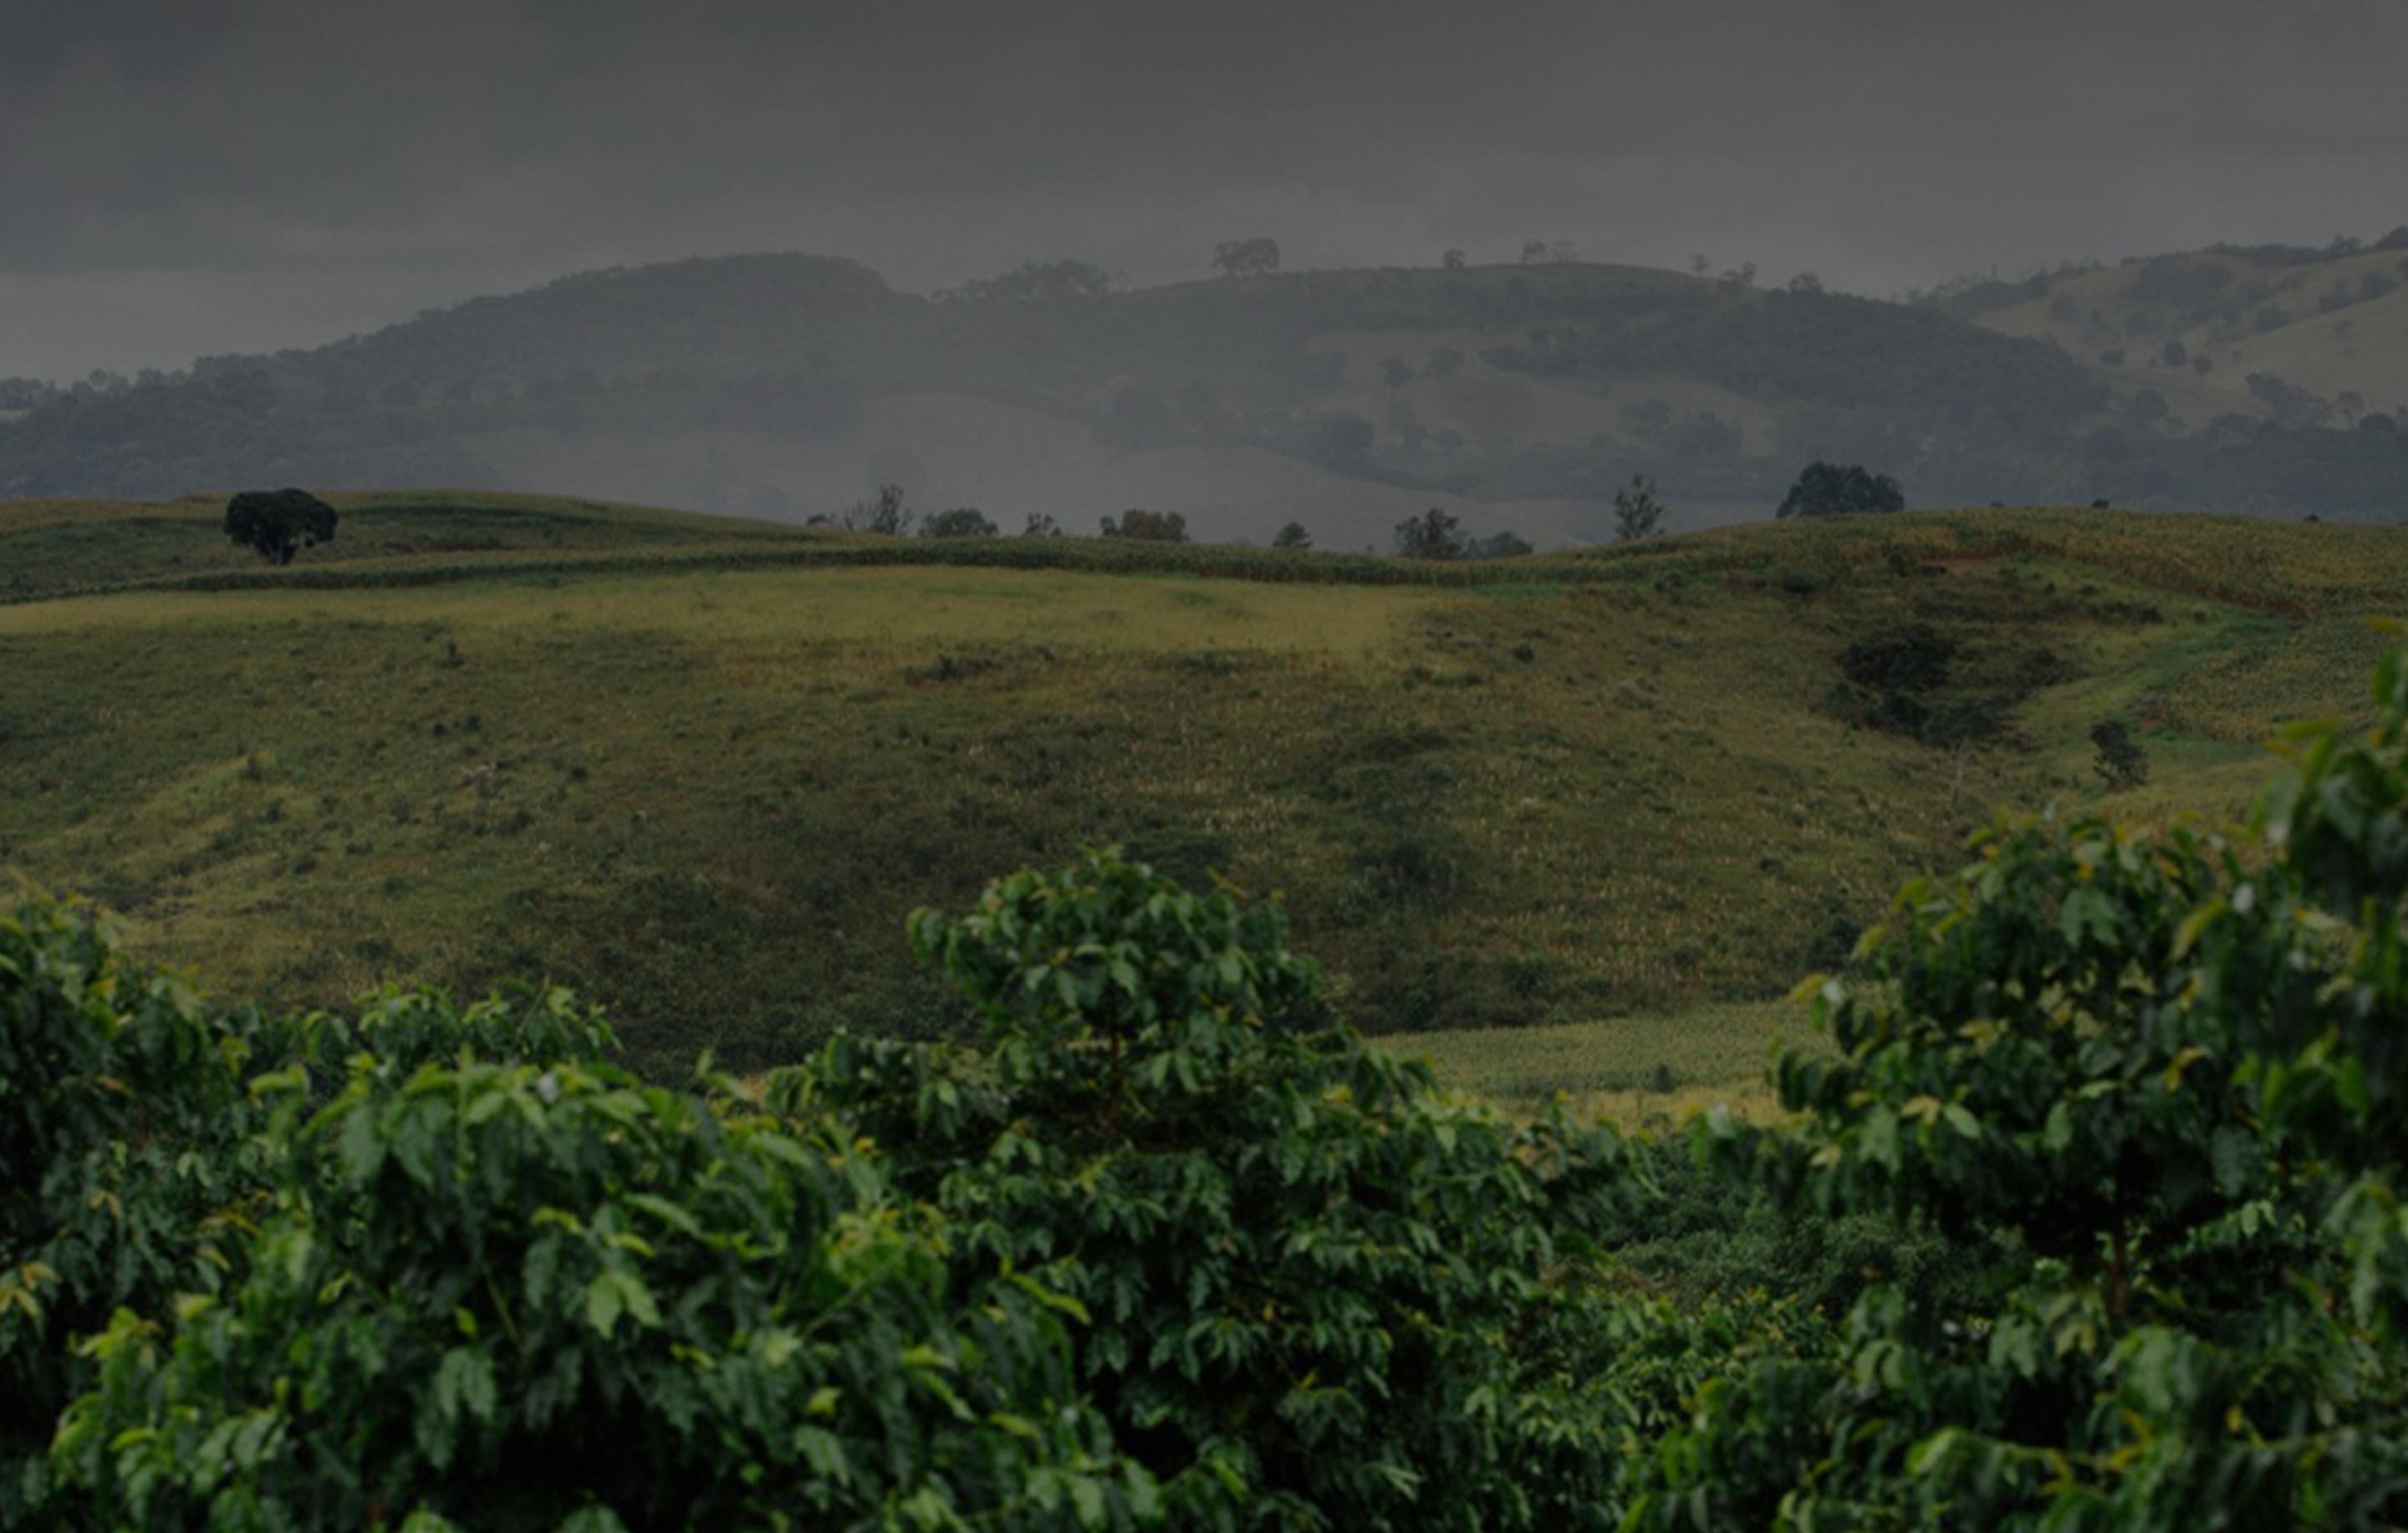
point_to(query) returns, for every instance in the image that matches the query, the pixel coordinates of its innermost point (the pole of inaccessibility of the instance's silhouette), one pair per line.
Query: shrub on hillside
(2164, 1076)
(961, 522)
(279, 523)
(1148, 526)
(1309, 1278)
(1436, 533)
(1831, 489)
(440, 1266)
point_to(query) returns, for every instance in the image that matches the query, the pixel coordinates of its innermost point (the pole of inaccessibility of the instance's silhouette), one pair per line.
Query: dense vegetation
(1167, 1245)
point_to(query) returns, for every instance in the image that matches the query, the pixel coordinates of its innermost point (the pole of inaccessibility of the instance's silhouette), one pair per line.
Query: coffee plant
(438, 1267)
(2162, 1076)
(1315, 1289)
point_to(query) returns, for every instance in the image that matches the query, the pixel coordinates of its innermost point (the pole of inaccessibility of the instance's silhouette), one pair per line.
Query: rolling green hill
(703, 767)
(2197, 326)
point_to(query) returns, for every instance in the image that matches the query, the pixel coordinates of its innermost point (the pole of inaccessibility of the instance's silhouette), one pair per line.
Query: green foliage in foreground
(289, 1276)
(1311, 1282)
(2166, 1073)
(1166, 1248)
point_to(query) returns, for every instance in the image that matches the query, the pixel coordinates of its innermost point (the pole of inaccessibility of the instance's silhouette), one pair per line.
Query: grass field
(2288, 332)
(1578, 823)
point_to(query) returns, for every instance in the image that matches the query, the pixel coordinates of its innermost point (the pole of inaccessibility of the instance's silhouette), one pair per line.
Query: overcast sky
(182, 177)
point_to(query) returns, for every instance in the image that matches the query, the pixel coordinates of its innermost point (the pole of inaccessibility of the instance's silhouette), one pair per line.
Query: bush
(1906, 657)
(2163, 1078)
(2120, 760)
(962, 522)
(1828, 489)
(279, 523)
(440, 1266)
(1148, 526)
(1304, 1271)
(496, 1293)
(1436, 533)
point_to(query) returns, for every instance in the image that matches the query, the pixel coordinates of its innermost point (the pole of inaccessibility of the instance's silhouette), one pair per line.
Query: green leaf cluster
(2162, 1076)
(443, 1267)
(1310, 1287)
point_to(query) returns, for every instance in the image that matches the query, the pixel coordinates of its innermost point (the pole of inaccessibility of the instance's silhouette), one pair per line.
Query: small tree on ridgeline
(961, 522)
(1148, 526)
(886, 515)
(279, 523)
(1293, 536)
(1637, 511)
(1433, 534)
(1831, 489)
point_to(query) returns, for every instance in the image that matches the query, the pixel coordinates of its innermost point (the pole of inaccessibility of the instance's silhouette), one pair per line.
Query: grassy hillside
(2333, 322)
(705, 776)
(51, 548)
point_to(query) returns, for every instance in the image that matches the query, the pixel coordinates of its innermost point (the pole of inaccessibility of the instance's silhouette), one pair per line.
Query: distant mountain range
(2271, 380)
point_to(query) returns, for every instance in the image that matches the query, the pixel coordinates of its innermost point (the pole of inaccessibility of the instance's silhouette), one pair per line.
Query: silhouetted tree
(1533, 251)
(1256, 257)
(961, 522)
(1453, 261)
(1435, 534)
(279, 523)
(1637, 511)
(1293, 536)
(884, 515)
(1829, 489)
(1040, 526)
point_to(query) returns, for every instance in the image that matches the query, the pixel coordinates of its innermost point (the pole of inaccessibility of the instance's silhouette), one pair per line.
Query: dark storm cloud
(180, 175)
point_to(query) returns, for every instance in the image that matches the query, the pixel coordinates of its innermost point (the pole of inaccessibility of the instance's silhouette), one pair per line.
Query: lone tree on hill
(1433, 534)
(1637, 511)
(1827, 489)
(1293, 536)
(279, 523)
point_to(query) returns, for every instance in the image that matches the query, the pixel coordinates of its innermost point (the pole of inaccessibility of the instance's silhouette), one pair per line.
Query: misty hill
(1519, 396)
(2253, 358)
